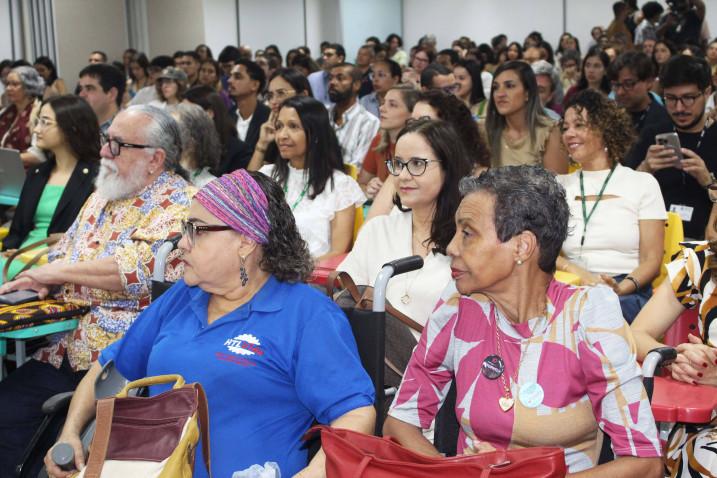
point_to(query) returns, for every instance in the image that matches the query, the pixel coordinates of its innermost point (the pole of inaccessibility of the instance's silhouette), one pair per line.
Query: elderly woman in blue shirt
(272, 354)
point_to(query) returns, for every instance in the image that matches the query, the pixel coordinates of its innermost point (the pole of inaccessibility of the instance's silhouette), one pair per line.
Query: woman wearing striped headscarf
(272, 354)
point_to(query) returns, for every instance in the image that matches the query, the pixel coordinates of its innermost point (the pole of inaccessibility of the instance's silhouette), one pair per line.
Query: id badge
(685, 212)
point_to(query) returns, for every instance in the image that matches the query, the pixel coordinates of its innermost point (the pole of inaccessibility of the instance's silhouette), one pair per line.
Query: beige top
(514, 153)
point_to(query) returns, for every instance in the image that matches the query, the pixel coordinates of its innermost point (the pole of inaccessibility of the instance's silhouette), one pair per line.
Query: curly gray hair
(163, 133)
(32, 82)
(527, 198)
(200, 139)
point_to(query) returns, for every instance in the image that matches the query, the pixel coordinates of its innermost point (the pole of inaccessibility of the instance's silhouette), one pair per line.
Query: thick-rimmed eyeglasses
(415, 166)
(626, 85)
(116, 146)
(686, 100)
(190, 230)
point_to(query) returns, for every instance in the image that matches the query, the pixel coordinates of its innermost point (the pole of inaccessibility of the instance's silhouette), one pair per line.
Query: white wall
(322, 23)
(361, 19)
(220, 24)
(5, 36)
(76, 36)
(174, 25)
(263, 22)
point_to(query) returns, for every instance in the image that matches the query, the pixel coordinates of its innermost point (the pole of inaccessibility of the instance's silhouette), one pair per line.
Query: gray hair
(32, 82)
(199, 135)
(527, 198)
(163, 133)
(542, 67)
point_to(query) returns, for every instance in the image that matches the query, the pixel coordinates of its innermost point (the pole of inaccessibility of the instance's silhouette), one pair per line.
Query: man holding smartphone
(684, 183)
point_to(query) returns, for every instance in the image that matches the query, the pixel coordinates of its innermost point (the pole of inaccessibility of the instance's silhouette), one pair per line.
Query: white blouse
(612, 238)
(386, 238)
(313, 216)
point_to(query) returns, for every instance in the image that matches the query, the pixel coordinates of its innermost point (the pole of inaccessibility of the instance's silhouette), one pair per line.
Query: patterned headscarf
(238, 201)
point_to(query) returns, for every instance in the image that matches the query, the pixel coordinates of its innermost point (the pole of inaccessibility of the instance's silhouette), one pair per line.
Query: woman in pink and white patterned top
(535, 362)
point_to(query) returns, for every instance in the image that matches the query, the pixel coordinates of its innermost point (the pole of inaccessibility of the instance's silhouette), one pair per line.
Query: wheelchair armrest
(57, 402)
(655, 358)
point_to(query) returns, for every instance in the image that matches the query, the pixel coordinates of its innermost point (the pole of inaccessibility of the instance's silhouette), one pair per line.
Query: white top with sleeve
(386, 238)
(313, 216)
(612, 238)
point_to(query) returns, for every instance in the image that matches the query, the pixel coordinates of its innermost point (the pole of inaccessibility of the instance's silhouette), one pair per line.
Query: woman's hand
(586, 277)
(695, 363)
(267, 133)
(373, 187)
(73, 440)
(476, 447)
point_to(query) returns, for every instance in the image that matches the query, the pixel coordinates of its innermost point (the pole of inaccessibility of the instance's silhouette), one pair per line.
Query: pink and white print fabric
(582, 355)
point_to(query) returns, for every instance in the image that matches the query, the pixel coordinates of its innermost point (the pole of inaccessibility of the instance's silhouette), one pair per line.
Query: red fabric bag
(351, 454)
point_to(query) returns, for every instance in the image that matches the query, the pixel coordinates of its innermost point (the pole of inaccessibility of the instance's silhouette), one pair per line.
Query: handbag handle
(101, 440)
(148, 381)
(49, 241)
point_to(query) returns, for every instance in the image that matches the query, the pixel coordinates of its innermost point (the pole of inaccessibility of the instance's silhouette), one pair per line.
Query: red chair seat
(674, 401)
(324, 268)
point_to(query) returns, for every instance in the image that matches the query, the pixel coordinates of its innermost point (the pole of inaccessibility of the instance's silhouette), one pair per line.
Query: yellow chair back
(352, 171)
(674, 234)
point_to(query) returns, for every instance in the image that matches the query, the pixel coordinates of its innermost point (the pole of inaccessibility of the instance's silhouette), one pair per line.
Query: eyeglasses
(190, 230)
(626, 85)
(279, 95)
(43, 122)
(116, 146)
(686, 100)
(415, 166)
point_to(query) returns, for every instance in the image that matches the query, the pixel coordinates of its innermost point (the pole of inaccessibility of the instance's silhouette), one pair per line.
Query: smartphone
(18, 297)
(672, 141)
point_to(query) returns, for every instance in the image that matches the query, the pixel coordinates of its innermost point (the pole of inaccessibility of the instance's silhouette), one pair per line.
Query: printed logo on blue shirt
(242, 347)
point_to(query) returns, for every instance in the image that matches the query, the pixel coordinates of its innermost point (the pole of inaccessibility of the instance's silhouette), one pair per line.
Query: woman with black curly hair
(272, 354)
(617, 215)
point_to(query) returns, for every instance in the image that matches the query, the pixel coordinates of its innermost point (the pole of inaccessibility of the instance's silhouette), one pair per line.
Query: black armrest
(57, 402)
(655, 358)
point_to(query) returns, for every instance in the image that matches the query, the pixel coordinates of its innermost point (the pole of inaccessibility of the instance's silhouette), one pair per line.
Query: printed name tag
(685, 212)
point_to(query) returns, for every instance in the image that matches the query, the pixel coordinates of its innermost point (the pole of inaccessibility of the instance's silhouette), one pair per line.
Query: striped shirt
(355, 133)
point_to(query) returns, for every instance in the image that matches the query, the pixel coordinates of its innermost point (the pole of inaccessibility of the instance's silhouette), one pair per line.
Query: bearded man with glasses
(685, 181)
(105, 261)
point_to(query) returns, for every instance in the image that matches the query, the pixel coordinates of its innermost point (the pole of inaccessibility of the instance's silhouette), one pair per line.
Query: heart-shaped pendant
(506, 403)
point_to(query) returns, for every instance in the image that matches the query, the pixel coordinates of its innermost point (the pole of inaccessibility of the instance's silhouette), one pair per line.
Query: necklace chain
(507, 394)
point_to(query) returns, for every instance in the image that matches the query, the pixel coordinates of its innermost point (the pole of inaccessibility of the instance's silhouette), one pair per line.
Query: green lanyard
(301, 196)
(586, 216)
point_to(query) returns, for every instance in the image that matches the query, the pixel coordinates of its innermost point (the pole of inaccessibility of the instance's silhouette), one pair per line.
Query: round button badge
(531, 395)
(492, 367)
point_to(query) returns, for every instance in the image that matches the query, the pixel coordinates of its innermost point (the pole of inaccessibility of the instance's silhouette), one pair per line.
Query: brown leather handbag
(151, 437)
(400, 342)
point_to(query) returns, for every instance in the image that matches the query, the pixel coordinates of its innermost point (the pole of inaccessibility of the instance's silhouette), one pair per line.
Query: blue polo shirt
(268, 368)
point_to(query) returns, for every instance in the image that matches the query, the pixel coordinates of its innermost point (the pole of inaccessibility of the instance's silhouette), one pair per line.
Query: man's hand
(696, 167)
(53, 470)
(40, 279)
(658, 157)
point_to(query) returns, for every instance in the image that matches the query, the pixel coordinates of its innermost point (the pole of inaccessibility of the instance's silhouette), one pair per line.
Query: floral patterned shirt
(130, 231)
